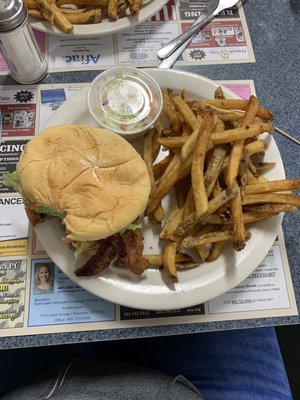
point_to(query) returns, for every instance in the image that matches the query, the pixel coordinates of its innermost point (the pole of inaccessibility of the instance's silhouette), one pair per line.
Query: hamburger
(96, 183)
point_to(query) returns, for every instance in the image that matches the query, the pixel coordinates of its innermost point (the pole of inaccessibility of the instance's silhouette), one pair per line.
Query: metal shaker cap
(12, 14)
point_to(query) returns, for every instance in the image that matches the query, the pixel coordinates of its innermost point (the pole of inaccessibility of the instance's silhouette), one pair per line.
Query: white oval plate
(106, 27)
(153, 290)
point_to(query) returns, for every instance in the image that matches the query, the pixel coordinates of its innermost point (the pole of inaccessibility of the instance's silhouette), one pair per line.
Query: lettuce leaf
(11, 180)
(81, 247)
(50, 211)
(132, 227)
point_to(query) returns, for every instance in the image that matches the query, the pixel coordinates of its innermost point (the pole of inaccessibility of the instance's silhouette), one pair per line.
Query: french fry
(65, 10)
(112, 9)
(93, 16)
(201, 107)
(215, 219)
(189, 205)
(273, 186)
(173, 220)
(35, 13)
(249, 216)
(170, 111)
(122, 8)
(31, 4)
(186, 265)
(257, 146)
(219, 94)
(216, 250)
(251, 178)
(262, 167)
(186, 113)
(169, 260)
(174, 172)
(50, 12)
(134, 6)
(235, 104)
(148, 154)
(182, 188)
(160, 167)
(214, 168)
(190, 242)
(276, 198)
(202, 252)
(219, 126)
(197, 171)
(158, 214)
(173, 142)
(231, 135)
(182, 260)
(164, 184)
(189, 145)
(270, 208)
(239, 233)
(158, 133)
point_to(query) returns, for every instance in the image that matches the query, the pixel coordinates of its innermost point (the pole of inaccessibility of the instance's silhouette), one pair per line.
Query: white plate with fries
(154, 289)
(89, 17)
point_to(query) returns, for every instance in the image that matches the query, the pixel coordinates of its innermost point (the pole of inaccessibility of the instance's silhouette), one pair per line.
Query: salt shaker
(18, 44)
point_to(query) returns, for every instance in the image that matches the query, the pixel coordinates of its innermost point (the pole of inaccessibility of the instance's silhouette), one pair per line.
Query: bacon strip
(130, 251)
(106, 252)
(127, 248)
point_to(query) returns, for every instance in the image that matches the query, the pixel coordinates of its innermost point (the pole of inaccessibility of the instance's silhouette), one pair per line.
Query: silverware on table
(288, 136)
(168, 62)
(171, 60)
(214, 7)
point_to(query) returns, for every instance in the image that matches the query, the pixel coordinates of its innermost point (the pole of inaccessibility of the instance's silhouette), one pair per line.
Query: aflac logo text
(83, 59)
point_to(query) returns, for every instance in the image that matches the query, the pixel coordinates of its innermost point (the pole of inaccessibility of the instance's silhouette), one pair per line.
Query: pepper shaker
(18, 44)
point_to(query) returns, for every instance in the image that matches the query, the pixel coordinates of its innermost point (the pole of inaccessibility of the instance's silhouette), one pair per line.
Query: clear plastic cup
(125, 100)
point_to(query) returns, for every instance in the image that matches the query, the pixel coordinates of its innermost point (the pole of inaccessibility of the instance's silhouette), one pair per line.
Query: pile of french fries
(214, 165)
(66, 13)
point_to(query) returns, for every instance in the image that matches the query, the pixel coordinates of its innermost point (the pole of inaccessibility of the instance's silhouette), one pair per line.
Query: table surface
(274, 27)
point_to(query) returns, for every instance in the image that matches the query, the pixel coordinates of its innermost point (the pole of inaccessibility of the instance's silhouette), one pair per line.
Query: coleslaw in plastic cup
(125, 100)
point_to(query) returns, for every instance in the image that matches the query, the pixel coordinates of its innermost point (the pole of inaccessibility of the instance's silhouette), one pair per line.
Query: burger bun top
(94, 177)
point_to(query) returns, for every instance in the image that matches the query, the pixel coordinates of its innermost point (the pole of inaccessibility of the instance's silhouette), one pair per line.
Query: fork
(214, 7)
(168, 62)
